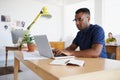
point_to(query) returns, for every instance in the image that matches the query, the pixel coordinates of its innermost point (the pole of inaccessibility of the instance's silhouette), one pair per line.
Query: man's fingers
(56, 51)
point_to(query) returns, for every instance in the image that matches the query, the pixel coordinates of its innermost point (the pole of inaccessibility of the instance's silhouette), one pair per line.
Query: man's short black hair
(83, 10)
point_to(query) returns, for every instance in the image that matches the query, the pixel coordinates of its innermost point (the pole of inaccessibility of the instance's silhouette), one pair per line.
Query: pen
(67, 61)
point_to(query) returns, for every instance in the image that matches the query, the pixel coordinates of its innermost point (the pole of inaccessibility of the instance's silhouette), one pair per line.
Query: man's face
(82, 20)
(110, 35)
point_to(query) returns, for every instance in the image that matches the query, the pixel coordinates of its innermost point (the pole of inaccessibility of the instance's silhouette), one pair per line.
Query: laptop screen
(43, 46)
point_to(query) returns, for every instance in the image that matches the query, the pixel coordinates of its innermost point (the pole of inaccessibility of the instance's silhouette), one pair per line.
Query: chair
(16, 34)
(57, 45)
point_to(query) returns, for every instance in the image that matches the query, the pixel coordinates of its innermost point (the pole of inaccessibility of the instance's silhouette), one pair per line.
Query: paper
(68, 62)
(32, 55)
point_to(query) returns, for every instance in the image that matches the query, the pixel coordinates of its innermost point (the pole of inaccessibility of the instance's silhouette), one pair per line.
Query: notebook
(44, 47)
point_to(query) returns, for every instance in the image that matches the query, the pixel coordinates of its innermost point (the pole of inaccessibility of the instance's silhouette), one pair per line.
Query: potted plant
(30, 43)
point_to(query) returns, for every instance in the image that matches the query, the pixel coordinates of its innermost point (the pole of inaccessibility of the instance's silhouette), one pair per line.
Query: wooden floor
(25, 75)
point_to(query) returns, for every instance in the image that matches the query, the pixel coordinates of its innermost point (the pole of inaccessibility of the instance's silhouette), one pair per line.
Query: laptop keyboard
(58, 55)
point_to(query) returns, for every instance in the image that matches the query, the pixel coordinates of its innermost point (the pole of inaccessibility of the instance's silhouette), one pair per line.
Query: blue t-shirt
(94, 34)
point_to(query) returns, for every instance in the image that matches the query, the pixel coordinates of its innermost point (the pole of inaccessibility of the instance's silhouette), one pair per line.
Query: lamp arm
(28, 29)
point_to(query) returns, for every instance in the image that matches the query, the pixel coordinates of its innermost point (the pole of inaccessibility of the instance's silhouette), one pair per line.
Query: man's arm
(71, 47)
(93, 52)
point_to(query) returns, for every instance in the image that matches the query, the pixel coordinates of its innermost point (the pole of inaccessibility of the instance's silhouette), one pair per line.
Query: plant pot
(31, 47)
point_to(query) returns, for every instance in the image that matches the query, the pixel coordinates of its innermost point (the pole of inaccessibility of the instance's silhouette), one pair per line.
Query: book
(68, 62)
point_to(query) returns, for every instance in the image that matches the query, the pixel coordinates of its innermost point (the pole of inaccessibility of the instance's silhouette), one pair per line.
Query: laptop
(44, 47)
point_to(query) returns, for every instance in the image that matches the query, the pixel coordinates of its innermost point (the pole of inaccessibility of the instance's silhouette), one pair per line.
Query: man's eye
(79, 19)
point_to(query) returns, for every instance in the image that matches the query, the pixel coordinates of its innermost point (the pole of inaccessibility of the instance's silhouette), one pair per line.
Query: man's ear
(88, 18)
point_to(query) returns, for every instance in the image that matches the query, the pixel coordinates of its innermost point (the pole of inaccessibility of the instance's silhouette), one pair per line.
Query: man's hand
(56, 51)
(60, 52)
(67, 52)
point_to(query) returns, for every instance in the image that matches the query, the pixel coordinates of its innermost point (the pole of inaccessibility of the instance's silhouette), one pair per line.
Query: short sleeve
(98, 35)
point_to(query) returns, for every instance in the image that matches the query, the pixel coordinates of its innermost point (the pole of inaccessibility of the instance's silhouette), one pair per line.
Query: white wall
(98, 12)
(110, 17)
(27, 10)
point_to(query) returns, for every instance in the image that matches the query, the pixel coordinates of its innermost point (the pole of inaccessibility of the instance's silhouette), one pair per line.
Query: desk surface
(94, 69)
(111, 45)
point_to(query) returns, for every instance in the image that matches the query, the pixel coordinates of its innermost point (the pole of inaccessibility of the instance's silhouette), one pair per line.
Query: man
(111, 39)
(90, 38)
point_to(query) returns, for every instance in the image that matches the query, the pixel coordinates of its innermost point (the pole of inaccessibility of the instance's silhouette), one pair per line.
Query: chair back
(16, 34)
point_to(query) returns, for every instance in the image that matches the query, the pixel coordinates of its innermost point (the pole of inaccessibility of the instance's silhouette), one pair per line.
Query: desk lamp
(42, 13)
